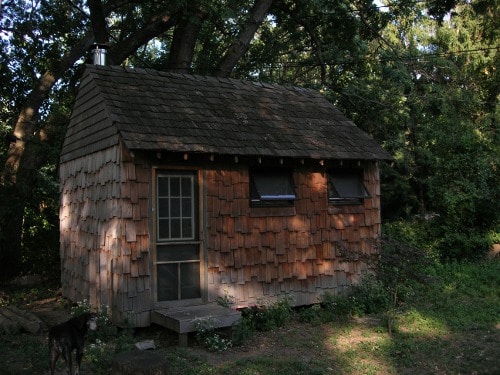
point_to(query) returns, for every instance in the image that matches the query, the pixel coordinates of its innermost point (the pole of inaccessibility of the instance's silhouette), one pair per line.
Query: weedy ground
(450, 326)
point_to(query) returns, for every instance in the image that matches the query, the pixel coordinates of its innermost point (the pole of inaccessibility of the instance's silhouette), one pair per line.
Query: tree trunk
(22, 160)
(98, 21)
(242, 42)
(184, 40)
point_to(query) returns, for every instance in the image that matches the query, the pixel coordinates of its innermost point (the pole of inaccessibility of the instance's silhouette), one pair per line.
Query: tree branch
(242, 42)
(155, 27)
(185, 38)
(98, 21)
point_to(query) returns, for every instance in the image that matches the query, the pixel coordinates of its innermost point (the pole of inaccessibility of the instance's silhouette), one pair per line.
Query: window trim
(337, 197)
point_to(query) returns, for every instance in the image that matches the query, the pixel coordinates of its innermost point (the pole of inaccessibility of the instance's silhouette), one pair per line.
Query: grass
(451, 326)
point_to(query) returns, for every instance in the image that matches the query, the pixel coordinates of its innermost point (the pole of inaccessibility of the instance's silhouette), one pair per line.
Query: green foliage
(449, 324)
(225, 301)
(262, 317)
(242, 331)
(207, 336)
(273, 365)
(438, 116)
(311, 314)
(402, 264)
(26, 353)
(266, 317)
(464, 295)
(426, 90)
(371, 295)
(339, 307)
(400, 270)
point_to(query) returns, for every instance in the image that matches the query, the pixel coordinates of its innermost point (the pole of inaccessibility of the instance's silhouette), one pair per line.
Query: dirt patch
(298, 341)
(357, 346)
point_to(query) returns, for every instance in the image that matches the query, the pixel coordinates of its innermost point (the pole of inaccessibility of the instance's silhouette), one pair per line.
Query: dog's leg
(53, 356)
(79, 355)
(66, 352)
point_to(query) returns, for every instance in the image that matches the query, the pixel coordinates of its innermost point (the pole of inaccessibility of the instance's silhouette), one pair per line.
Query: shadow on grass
(452, 327)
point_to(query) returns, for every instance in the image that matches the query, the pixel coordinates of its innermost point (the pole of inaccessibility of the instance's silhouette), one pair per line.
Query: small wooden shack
(177, 190)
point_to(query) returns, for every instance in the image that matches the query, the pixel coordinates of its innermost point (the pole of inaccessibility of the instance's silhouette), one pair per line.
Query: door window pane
(168, 279)
(177, 252)
(175, 207)
(163, 207)
(190, 280)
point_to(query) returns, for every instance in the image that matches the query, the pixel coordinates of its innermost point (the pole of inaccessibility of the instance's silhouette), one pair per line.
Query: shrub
(371, 295)
(401, 264)
(310, 314)
(339, 307)
(262, 317)
(207, 336)
(265, 317)
(462, 245)
(242, 331)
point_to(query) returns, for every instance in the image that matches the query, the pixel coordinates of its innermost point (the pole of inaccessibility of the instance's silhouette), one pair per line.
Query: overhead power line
(421, 57)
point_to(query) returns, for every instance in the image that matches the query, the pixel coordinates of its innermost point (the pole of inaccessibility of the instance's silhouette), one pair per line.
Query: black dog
(68, 336)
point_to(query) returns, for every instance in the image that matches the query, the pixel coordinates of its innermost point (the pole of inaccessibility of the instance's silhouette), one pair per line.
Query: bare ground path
(360, 346)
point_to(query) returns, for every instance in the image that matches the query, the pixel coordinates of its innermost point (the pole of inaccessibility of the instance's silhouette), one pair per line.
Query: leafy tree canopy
(420, 76)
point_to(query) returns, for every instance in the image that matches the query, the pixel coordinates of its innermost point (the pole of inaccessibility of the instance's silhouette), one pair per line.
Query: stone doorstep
(183, 319)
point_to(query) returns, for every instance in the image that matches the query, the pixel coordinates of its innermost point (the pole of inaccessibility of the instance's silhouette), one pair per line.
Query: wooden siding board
(299, 253)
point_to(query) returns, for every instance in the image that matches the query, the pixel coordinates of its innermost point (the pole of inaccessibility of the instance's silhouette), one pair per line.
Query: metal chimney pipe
(99, 54)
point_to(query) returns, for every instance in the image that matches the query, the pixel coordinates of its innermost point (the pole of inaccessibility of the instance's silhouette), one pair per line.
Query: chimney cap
(100, 45)
(99, 53)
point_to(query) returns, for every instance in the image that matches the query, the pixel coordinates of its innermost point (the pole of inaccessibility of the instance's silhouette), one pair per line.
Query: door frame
(203, 269)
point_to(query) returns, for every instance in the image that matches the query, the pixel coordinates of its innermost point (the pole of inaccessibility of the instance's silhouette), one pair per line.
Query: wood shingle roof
(152, 110)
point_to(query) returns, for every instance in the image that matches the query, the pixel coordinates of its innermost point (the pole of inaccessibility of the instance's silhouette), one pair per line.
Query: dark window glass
(187, 228)
(190, 280)
(163, 207)
(187, 208)
(177, 253)
(163, 228)
(163, 185)
(346, 187)
(186, 187)
(175, 190)
(175, 278)
(271, 188)
(175, 228)
(175, 209)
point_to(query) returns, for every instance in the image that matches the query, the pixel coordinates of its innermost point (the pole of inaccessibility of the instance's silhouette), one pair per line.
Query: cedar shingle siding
(129, 123)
